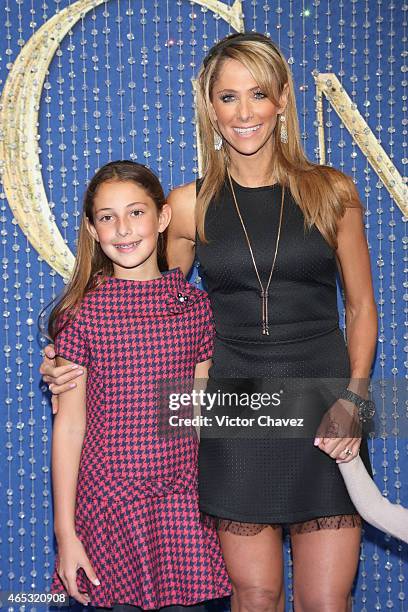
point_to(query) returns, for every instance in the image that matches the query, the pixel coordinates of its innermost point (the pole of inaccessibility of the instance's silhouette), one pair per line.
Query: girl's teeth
(128, 246)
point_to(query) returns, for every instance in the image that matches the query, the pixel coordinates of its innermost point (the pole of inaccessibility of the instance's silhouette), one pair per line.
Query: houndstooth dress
(137, 509)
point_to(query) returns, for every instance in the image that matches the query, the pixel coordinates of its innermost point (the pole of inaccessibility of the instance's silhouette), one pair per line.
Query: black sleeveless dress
(271, 474)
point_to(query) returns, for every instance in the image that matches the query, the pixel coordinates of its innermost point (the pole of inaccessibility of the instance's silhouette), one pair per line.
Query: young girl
(127, 521)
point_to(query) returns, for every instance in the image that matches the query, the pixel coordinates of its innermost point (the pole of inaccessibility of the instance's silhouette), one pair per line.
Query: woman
(268, 227)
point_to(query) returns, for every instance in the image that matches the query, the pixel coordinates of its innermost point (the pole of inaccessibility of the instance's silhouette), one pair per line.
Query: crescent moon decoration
(329, 85)
(20, 166)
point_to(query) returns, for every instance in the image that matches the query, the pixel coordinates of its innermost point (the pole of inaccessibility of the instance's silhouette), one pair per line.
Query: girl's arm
(67, 439)
(361, 319)
(200, 384)
(182, 228)
(370, 504)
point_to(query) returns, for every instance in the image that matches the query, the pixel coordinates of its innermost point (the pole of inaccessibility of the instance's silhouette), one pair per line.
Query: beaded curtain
(120, 86)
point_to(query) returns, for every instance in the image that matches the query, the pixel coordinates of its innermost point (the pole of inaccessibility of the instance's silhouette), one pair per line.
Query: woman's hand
(72, 556)
(59, 379)
(339, 433)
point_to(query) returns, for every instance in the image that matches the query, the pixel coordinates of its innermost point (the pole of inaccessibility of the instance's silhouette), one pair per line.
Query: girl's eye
(105, 218)
(136, 213)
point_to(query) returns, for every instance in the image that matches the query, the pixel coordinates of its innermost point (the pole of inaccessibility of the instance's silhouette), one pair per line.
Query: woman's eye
(227, 98)
(136, 213)
(105, 218)
(259, 95)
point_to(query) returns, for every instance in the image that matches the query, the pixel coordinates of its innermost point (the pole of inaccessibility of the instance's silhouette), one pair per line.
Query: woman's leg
(324, 566)
(255, 567)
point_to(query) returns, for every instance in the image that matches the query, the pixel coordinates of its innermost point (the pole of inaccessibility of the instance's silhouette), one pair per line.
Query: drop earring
(283, 130)
(217, 141)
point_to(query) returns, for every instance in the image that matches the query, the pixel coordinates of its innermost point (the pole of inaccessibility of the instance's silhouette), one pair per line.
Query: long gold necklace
(264, 290)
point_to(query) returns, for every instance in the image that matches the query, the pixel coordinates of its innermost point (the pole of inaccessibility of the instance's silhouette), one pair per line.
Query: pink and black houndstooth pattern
(137, 502)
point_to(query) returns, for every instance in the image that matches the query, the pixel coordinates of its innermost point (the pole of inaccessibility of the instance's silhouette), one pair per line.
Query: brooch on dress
(182, 298)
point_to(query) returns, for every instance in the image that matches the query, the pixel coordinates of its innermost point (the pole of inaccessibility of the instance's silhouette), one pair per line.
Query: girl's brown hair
(321, 192)
(91, 263)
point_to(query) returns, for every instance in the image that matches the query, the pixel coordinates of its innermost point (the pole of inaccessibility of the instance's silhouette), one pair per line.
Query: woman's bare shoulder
(182, 202)
(183, 197)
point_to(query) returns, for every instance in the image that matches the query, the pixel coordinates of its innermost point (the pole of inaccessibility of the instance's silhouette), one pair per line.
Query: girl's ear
(164, 217)
(91, 229)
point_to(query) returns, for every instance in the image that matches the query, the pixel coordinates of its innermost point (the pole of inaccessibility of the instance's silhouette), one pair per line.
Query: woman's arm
(59, 378)
(182, 228)
(67, 439)
(361, 320)
(361, 311)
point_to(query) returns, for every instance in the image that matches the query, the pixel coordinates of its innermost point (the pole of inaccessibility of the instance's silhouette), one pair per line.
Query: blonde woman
(271, 230)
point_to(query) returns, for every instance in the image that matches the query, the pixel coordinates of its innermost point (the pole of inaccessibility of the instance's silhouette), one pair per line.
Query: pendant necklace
(264, 290)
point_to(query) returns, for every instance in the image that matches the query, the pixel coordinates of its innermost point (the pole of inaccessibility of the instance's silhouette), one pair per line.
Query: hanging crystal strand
(382, 408)
(395, 402)
(20, 537)
(74, 130)
(193, 65)
(266, 9)
(145, 63)
(30, 394)
(95, 90)
(403, 19)
(217, 21)
(45, 410)
(291, 35)
(304, 86)
(181, 91)
(158, 79)
(328, 55)
(85, 110)
(354, 78)
(62, 146)
(132, 85)
(279, 11)
(108, 81)
(10, 452)
(120, 68)
(316, 58)
(254, 15)
(169, 93)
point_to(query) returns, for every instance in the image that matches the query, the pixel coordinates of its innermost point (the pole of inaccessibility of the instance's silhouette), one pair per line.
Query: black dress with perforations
(258, 475)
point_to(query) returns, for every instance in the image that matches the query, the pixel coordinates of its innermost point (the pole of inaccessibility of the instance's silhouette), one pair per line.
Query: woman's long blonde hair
(321, 192)
(91, 263)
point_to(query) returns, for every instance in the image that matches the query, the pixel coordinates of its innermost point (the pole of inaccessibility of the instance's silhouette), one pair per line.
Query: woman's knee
(322, 602)
(258, 599)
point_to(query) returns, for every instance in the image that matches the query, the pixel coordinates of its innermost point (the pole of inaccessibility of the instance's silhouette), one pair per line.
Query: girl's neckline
(165, 275)
(254, 189)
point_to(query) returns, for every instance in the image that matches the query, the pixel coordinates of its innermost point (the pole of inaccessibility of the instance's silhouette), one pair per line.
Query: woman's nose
(245, 110)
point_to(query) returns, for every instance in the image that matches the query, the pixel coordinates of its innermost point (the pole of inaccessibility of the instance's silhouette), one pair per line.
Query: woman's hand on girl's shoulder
(182, 228)
(58, 378)
(72, 557)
